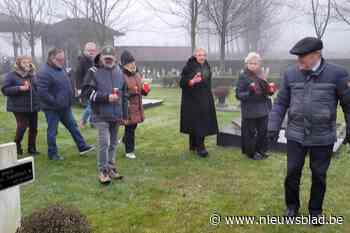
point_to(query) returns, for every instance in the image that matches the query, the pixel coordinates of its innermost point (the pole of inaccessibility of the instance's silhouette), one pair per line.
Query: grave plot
(230, 135)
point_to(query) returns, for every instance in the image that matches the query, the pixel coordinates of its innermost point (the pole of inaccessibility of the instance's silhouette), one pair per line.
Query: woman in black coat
(198, 116)
(253, 91)
(22, 99)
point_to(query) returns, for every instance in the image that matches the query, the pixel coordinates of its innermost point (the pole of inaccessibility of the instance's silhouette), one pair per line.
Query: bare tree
(30, 15)
(321, 15)
(108, 13)
(262, 17)
(187, 10)
(76, 9)
(342, 9)
(228, 17)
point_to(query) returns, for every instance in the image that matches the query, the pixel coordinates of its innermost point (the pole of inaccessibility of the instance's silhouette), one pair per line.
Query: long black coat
(198, 116)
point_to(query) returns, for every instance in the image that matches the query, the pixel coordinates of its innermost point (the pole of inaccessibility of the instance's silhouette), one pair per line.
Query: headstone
(230, 135)
(13, 172)
(148, 103)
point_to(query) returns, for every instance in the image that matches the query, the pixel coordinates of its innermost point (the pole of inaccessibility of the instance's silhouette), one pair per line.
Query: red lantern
(115, 91)
(272, 88)
(252, 87)
(146, 87)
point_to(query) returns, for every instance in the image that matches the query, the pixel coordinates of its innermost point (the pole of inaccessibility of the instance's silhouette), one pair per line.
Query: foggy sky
(143, 27)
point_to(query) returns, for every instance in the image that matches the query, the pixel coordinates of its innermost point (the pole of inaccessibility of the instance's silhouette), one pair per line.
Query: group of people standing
(113, 92)
(309, 94)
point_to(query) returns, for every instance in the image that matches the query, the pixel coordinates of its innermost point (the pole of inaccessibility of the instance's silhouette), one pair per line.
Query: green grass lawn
(167, 189)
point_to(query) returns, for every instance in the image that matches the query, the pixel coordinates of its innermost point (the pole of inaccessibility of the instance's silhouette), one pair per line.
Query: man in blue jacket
(56, 93)
(310, 93)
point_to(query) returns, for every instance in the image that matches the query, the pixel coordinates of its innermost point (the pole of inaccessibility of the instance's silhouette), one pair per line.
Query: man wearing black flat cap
(310, 93)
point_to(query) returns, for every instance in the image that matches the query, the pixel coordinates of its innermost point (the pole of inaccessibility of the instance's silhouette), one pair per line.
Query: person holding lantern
(135, 90)
(105, 88)
(253, 91)
(198, 115)
(22, 99)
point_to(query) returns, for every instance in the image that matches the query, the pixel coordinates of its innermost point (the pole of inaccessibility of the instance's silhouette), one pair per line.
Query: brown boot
(104, 177)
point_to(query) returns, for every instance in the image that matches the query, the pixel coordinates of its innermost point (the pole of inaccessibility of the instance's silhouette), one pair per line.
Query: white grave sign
(13, 172)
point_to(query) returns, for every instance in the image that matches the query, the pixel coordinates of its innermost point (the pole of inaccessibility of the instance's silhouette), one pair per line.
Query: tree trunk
(15, 44)
(32, 49)
(194, 19)
(222, 51)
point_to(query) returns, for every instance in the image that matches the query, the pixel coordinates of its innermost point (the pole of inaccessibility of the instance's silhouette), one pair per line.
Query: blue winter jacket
(54, 87)
(311, 100)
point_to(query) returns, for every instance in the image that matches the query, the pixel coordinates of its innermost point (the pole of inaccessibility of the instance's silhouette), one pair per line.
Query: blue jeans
(86, 115)
(66, 117)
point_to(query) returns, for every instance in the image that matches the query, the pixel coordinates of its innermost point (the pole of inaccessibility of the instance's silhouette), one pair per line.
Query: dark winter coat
(55, 89)
(17, 100)
(198, 115)
(311, 101)
(84, 64)
(135, 92)
(99, 84)
(253, 105)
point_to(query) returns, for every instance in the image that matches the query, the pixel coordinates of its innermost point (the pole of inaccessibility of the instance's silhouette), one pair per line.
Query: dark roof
(75, 26)
(157, 53)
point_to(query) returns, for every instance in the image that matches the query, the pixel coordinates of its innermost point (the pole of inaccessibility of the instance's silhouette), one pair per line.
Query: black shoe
(86, 150)
(258, 156)
(316, 220)
(192, 148)
(33, 152)
(56, 158)
(19, 149)
(290, 212)
(202, 153)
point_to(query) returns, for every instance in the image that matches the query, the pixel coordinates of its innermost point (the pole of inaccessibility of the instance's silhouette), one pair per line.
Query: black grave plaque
(16, 175)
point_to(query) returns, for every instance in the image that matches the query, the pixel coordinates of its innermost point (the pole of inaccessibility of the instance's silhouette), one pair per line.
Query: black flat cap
(307, 45)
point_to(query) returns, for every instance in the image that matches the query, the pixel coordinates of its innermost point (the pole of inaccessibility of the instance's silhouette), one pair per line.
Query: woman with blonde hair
(253, 92)
(22, 99)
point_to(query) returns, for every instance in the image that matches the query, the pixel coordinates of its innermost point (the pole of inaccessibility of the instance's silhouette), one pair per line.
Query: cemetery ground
(167, 188)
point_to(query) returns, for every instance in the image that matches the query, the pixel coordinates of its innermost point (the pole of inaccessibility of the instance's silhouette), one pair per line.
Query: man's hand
(24, 88)
(113, 98)
(272, 136)
(197, 78)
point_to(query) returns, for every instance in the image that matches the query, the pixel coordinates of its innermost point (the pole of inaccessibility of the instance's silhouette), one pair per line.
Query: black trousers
(254, 135)
(196, 142)
(26, 120)
(129, 138)
(320, 158)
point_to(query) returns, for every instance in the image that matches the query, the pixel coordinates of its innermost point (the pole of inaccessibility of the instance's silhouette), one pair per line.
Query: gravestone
(230, 135)
(148, 103)
(13, 172)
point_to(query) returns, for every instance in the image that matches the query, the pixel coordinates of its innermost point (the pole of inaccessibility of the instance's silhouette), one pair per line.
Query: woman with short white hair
(253, 92)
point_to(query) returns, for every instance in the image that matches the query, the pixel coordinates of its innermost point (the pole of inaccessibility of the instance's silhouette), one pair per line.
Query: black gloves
(272, 136)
